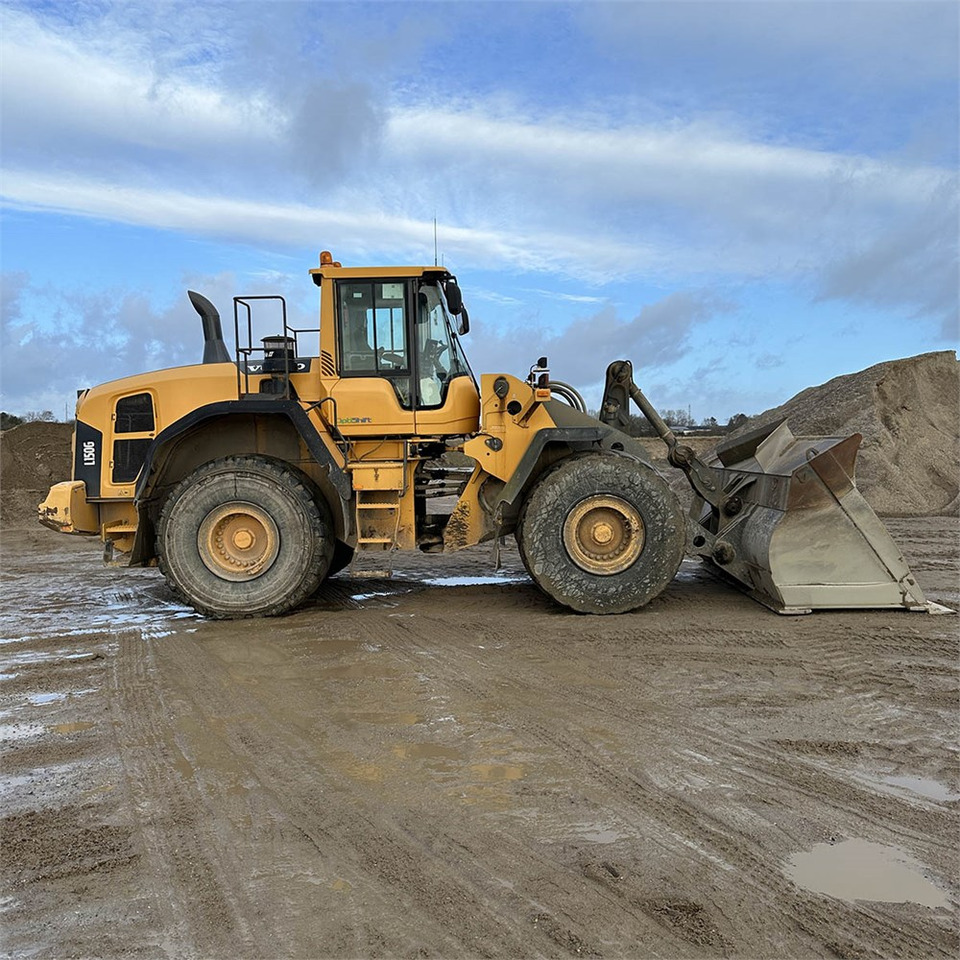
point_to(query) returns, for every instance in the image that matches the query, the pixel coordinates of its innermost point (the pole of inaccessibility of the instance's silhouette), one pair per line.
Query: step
(371, 574)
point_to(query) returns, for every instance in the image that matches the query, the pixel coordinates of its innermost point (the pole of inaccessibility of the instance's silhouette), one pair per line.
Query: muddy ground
(407, 769)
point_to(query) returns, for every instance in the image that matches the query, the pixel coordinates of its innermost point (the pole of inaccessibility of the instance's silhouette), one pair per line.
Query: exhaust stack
(214, 349)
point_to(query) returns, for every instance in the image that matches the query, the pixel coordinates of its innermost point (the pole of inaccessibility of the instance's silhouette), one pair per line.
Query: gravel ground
(445, 764)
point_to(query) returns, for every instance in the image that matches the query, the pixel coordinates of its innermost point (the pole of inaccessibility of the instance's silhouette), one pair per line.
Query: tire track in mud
(674, 916)
(294, 819)
(201, 914)
(420, 878)
(693, 824)
(570, 903)
(416, 866)
(919, 822)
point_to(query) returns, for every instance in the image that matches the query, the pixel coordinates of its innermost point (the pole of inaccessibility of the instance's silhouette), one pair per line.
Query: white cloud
(910, 41)
(915, 267)
(689, 150)
(54, 91)
(707, 193)
(569, 297)
(87, 338)
(235, 122)
(366, 232)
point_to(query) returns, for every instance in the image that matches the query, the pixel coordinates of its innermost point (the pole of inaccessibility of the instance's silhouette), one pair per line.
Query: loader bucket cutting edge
(802, 537)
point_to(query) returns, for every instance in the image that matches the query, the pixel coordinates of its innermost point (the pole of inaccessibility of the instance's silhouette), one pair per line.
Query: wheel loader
(251, 478)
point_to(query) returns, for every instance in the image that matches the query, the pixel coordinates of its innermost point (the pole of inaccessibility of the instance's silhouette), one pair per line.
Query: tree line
(8, 420)
(681, 421)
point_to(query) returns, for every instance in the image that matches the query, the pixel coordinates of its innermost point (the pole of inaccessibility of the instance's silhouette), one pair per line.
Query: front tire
(245, 537)
(602, 534)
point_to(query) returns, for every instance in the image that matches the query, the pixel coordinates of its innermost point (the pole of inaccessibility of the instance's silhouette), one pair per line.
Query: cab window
(373, 332)
(439, 357)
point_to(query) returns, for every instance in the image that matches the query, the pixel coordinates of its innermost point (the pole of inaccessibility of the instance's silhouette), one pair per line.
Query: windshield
(439, 355)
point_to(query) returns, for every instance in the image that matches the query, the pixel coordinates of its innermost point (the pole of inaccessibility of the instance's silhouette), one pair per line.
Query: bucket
(793, 529)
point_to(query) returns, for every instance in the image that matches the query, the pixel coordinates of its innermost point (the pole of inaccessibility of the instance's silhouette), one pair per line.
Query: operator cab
(399, 363)
(400, 330)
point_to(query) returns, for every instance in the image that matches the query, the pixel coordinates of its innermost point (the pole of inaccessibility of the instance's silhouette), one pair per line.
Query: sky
(743, 198)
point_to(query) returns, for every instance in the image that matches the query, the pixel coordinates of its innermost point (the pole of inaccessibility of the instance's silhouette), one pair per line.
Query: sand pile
(33, 456)
(908, 412)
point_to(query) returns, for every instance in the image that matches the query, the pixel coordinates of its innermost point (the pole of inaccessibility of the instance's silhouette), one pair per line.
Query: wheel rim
(603, 535)
(238, 541)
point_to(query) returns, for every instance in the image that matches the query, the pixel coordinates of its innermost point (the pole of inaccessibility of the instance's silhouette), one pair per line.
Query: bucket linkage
(782, 516)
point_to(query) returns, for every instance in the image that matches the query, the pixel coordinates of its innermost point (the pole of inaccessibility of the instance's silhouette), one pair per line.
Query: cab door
(448, 401)
(374, 394)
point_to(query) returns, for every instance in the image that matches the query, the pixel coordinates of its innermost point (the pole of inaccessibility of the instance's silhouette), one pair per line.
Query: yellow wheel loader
(251, 478)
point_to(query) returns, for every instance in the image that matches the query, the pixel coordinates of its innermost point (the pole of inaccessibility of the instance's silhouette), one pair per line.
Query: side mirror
(454, 297)
(464, 327)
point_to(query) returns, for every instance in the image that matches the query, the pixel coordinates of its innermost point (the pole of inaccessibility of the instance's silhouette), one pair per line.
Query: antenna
(435, 248)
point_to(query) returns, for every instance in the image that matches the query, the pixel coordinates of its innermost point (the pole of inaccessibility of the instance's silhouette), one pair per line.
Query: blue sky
(745, 199)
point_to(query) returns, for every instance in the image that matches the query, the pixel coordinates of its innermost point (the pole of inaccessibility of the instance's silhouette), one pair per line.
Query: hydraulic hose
(568, 394)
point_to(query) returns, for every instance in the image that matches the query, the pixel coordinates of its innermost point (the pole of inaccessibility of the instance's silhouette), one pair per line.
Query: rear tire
(602, 534)
(244, 537)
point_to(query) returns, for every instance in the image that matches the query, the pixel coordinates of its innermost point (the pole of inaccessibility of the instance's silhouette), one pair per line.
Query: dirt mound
(32, 457)
(908, 412)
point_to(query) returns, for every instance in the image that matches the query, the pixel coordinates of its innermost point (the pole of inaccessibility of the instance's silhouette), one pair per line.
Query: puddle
(40, 699)
(426, 751)
(337, 646)
(860, 870)
(10, 732)
(692, 570)
(601, 833)
(552, 827)
(39, 656)
(925, 787)
(473, 581)
(74, 727)
(12, 783)
(497, 772)
(348, 593)
(362, 671)
(380, 718)
(69, 605)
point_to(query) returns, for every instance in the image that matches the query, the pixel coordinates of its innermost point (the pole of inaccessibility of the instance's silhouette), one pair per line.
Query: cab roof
(334, 270)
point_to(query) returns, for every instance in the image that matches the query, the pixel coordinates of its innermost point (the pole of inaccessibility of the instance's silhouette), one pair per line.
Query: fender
(576, 431)
(142, 551)
(225, 408)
